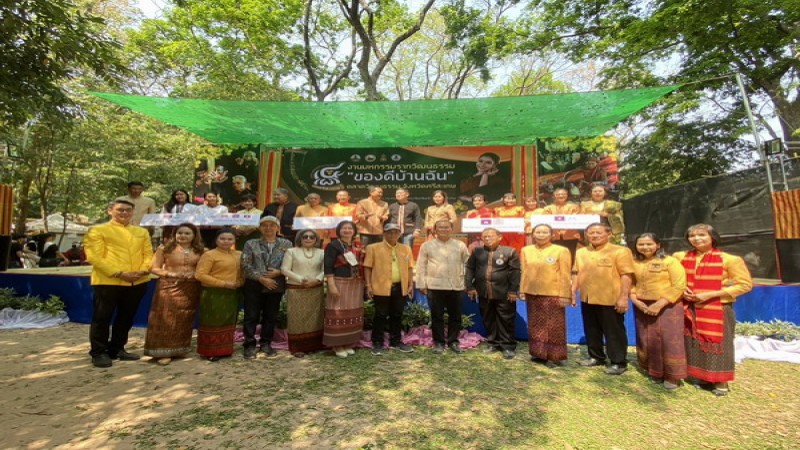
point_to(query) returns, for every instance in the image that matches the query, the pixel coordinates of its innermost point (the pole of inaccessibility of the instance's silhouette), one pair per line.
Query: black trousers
(439, 302)
(600, 321)
(498, 318)
(119, 303)
(392, 307)
(259, 308)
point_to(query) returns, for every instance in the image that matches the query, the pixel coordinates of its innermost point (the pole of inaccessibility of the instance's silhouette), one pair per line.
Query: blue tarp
(763, 303)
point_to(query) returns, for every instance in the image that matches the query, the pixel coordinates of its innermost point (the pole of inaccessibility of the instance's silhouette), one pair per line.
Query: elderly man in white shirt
(440, 276)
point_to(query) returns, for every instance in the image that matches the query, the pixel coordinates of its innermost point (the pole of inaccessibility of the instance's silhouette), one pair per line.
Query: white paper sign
(160, 220)
(318, 223)
(566, 222)
(509, 224)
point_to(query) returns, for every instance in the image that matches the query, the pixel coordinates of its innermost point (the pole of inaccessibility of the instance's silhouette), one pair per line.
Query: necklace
(307, 255)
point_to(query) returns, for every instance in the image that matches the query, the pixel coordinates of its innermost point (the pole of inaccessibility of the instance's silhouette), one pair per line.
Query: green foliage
(775, 329)
(643, 43)
(42, 43)
(9, 299)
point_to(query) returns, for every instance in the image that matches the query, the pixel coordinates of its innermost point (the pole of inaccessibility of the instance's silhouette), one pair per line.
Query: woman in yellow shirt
(439, 210)
(658, 288)
(714, 279)
(545, 285)
(219, 272)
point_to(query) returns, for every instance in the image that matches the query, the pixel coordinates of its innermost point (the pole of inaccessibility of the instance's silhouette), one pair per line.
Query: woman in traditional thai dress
(219, 271)
(171, 319)
(610, 211)
(546, 288)
(510, 209)
(658, 288)
(305, 302)
(713, 281)
(344, 304)
(439, 210)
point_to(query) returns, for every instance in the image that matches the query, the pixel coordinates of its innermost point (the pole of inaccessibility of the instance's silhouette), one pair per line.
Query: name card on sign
(318, 223)
(509, 224)
(566, 222)
(160, 220)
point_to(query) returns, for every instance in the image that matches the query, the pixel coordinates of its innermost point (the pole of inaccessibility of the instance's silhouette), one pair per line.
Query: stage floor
(769, 300)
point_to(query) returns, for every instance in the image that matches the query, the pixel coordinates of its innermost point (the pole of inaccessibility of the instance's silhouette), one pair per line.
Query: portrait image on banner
(577, 164)
(230, 176)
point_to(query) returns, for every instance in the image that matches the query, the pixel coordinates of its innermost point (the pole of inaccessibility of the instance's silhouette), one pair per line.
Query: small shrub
(9, 299)
(775, 329)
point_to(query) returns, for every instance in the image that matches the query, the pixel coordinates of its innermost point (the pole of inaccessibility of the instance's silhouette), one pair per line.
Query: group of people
(683, 303)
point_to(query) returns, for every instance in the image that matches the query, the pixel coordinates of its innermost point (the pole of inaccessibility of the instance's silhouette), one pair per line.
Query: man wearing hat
(388, 271)
(264, 285)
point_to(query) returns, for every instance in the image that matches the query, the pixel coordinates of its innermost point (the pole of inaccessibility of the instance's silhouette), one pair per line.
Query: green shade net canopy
(471, 122)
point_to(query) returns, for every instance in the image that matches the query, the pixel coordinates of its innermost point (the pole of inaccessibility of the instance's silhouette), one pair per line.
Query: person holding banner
(171, 319)
(178, 204)
(714, 279)
(314, 208)
(305, 303)
(211, 207)
(439, 210)
(562, 206)
(480, 212)
(659, 283)
(219, 272)
(610, 211)
(545, 287)
(511, 209)
(531, 209)
(344, 305)
(372, 212)
(245, 233)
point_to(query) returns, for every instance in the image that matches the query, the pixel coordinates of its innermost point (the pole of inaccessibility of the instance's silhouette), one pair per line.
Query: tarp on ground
(471, 122)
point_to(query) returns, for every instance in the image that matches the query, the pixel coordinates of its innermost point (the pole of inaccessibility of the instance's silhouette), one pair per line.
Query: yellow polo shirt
(599, 271)
(659, 278)
(546, 271)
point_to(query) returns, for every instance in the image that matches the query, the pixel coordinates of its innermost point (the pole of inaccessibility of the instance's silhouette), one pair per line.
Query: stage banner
(568, 222)
(160, 220)
(477, 225)
(459, 171)
(318, 223)
(577, 164)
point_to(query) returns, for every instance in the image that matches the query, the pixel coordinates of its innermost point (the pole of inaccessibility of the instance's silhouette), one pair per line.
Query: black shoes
(438, 348)
(616, 369)
(455, 347)
(490, 349)
(122, 355)
(377, 350)
(591, 362)
(249, 353)
(509, 354)
(268, 350)
(402, 348)
(102, 360)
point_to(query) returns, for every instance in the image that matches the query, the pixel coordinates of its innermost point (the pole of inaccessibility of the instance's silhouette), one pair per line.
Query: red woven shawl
(706, 325)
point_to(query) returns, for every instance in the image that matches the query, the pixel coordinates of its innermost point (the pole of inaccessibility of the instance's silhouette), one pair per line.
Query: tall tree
(676, 41)
(42, 43)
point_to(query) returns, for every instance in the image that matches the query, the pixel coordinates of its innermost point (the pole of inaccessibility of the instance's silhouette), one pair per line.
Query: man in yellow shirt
(388, 271)
(603, 275)
(120, 254)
